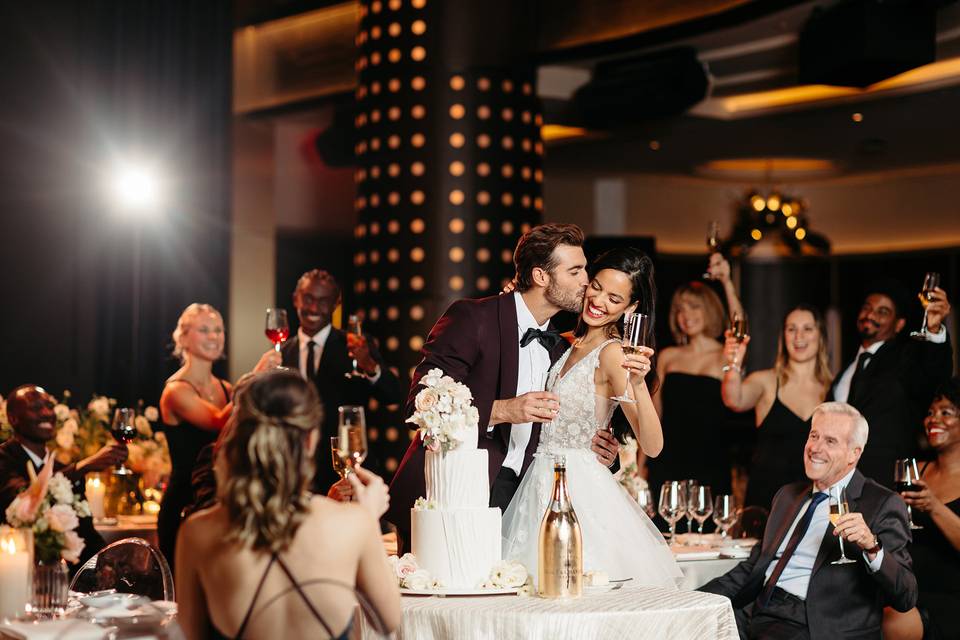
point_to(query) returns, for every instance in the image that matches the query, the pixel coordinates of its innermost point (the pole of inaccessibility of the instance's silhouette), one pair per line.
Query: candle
(16, 549)
(96, 489)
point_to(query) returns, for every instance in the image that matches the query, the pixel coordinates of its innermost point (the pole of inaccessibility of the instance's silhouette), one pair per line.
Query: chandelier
(777, 216)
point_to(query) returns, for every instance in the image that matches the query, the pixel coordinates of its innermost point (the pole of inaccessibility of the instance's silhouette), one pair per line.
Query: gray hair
(861, 430)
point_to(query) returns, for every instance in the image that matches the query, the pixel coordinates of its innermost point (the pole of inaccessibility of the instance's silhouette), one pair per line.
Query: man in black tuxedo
(30, 412)
(788, 587)
(892, 379)
(325, 355)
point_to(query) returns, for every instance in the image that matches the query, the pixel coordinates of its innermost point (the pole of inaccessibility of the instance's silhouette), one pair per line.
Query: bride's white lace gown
(618, 537)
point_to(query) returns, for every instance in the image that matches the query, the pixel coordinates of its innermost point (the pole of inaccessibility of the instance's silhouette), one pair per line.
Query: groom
(501, 348)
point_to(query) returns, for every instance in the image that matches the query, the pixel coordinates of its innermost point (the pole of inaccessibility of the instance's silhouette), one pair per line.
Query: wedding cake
(455, 534)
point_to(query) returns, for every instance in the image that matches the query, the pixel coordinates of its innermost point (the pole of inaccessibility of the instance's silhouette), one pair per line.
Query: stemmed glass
(124, 430)
(702, 506)
(739, 329)
(838, 507)
(352, 436)
(338, 464)
(689, 487)
(904, 474)
(724, 513)
(277, 329)
(930, 282)
(635, 329)
(713, 242)
(355, 327)
(645, 500)
(673, 504)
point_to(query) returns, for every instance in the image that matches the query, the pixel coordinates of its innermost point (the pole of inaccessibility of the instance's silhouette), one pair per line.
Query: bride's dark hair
(638, 267)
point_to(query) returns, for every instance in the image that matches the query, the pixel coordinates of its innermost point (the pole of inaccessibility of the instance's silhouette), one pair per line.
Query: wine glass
(724, 513)
(123, 429)
(713, 242)
(838, 507)
(904, 475)
(277, 329)
(355, 327)
(689, 487)
(338, 464)
(352, 436)
(673, 504)
(739, 329)
(645, 500)
(702, 506)
(635, 329)
(930, 282)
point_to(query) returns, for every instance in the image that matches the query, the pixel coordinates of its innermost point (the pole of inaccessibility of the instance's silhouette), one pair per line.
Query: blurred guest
(892, 379)
(30, 412)
(194, 407)
(266, 516)
(783, 398)
(325, 355)
(787, 588)
(936, 508)
(689, 402)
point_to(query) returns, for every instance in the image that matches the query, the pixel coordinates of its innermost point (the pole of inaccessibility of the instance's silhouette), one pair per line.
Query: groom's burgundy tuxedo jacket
(475, 342)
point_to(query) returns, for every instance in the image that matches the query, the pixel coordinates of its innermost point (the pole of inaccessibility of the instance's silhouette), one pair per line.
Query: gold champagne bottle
(560, 572)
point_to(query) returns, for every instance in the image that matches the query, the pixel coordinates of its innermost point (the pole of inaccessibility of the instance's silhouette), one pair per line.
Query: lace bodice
(582, 411)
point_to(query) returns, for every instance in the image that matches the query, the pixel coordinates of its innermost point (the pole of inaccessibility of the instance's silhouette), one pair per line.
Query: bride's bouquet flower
(444, 415)
(52, 510)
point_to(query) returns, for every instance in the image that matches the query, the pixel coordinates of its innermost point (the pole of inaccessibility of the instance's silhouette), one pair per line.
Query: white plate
(459, 592)
(108, 600)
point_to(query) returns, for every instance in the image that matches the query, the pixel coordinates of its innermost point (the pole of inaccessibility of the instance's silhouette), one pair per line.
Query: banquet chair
(751, 523)
(130, 565)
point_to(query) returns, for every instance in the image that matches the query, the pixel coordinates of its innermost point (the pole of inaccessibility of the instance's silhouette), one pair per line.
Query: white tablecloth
(697, 573)
(637, 612)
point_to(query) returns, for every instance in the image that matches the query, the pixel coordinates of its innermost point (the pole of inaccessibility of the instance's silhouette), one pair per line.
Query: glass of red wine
(124, 430)
(904, 475)
(277, 329)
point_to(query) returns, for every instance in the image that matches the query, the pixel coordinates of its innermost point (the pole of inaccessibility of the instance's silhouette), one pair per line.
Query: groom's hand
(535, 406)
(605, 445)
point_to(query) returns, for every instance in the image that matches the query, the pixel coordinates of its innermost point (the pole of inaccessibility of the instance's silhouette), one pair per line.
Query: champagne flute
(904, 474)
(838, 507)
(702, 506)
(355, 327)
(123, 429)
(645, 500)
(352, 436)
(635, 329)
(930, 282)
(338, 464)
(739, 329)
(673, 504)
(713, 242)
(689, 487)
(724, 513)
(277, 329)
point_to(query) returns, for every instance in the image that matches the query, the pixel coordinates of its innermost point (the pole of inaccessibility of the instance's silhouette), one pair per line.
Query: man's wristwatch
(875, 549)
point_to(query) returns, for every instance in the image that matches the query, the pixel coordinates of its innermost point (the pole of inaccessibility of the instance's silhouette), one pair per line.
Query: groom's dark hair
(535, 249)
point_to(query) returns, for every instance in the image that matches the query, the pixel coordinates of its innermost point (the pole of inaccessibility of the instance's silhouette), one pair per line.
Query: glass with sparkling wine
(713, 242)
(689, 487)
(930, 282)
(645, 500)
(838, 507)
(635, 329)
(354, 327)
(277, 330)
(702, 506)
(724, 513)
(123, 429)
(352, 436)
(904, 474)
(338, 464)
(673, 504)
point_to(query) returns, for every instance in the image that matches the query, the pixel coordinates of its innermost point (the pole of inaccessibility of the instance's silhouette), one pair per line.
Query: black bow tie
(549, 339)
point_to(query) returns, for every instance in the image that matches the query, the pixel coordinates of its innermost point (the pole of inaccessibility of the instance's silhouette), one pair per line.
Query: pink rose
(73, 546)
(62, 517)
(427, 399)
(406, 566)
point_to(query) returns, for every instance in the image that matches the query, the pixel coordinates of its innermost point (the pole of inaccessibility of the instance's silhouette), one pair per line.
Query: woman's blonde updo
(183, 324)
(268, 466)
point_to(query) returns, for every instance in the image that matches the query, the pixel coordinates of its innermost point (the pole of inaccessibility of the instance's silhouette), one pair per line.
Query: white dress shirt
(533, 364)
(795, 578)
(37, 460)
(320, 339)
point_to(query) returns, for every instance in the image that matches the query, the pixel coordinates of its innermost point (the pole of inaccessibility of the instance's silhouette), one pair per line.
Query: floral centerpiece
(629, 473)
(51, 509)
(444, 415)
(505, 575)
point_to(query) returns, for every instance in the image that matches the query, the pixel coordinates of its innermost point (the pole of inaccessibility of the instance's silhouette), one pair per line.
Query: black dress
(185, 442)
(778, 457)
(937, 567)
(694, 425)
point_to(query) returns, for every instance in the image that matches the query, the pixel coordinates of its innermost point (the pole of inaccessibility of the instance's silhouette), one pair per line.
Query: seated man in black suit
(30, 412)
(788, 587)
(326, 355)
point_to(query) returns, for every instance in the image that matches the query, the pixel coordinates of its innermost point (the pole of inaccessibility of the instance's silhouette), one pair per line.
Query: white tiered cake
(457, 537)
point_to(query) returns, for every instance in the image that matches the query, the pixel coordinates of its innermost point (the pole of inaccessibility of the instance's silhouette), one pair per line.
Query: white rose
(143, 426)
(61, 489)
(62, 411)
(62, 517)
(74, 544)
(427, 399)
(514, 574)
(64, 439)
(419, 579)
(151, 414)
(82, 508)
(432, 378)
(407, 566)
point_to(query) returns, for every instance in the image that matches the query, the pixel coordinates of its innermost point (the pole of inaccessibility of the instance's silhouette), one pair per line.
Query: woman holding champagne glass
(194, 407)
(783, 398)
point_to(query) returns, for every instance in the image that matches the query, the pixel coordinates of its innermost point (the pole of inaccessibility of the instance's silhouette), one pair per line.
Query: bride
(618, 537)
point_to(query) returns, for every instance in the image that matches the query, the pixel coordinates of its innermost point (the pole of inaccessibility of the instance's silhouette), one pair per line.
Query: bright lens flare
(135, 188)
